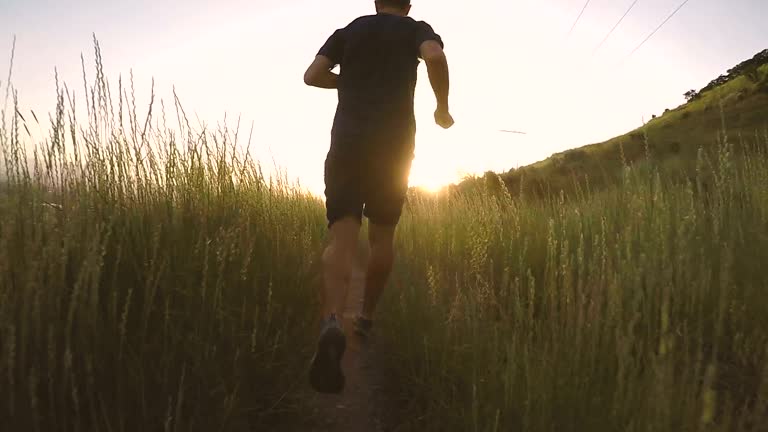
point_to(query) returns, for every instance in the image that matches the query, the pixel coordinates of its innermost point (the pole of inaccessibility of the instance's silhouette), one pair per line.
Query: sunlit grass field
(641, 308)
(151, 278)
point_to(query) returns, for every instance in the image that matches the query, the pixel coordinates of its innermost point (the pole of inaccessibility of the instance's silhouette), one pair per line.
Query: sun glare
(430, 175)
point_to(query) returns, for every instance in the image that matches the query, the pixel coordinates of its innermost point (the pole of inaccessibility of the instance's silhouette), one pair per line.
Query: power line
(658, 28)
(616, 26)
(579, 17)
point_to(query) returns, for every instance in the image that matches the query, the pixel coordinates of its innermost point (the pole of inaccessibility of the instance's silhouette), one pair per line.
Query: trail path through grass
(361, 407)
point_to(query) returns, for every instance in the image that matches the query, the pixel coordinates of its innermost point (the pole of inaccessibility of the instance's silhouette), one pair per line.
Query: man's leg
(325, 373)
(386, 195)
(380, 260)
(337, 265)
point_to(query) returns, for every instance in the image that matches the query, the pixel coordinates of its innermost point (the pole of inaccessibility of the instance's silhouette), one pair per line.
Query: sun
(439, 159)
(430, 175)
(431, 188)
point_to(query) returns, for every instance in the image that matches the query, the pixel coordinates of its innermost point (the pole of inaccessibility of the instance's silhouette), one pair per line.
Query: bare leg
(380, 260)
(337, 265)
(326, 374)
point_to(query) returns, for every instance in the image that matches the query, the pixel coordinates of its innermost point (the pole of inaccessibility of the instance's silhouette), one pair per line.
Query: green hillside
(736, 102)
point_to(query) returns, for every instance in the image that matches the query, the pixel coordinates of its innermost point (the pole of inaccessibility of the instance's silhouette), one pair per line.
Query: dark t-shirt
(379, 58)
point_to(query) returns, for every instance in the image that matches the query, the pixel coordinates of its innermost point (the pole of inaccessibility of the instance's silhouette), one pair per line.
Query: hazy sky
(513, 63)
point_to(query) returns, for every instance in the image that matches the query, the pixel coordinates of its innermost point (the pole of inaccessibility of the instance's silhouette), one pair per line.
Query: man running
(372, 146)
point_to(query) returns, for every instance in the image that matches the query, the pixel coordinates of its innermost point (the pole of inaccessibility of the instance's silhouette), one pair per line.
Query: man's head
(396, 7)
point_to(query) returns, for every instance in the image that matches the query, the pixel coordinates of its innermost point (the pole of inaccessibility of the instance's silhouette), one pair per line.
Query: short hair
(402, 4)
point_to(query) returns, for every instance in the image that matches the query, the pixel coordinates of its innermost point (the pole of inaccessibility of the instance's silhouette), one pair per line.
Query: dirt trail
(360, 408)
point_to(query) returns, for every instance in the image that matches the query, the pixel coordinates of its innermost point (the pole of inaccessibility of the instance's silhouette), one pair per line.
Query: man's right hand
(443, 118)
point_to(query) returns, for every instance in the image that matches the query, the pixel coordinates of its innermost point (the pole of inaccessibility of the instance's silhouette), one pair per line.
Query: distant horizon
(517, 69)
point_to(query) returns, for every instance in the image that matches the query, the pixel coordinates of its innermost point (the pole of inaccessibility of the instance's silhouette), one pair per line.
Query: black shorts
(363, 183)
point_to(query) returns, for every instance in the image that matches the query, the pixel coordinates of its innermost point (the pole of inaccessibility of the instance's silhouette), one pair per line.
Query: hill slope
(737, 100)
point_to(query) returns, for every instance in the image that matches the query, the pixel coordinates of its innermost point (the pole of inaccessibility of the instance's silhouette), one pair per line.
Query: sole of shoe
(325, 374)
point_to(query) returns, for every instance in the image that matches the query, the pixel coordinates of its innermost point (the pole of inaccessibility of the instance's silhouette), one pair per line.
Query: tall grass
(642, 308)
(151, 278)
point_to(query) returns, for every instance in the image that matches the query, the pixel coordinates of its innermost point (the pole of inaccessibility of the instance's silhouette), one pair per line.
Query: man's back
(379, 58)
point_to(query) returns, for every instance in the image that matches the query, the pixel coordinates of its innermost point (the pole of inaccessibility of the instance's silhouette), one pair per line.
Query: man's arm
(439, 77)
(319, 74)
